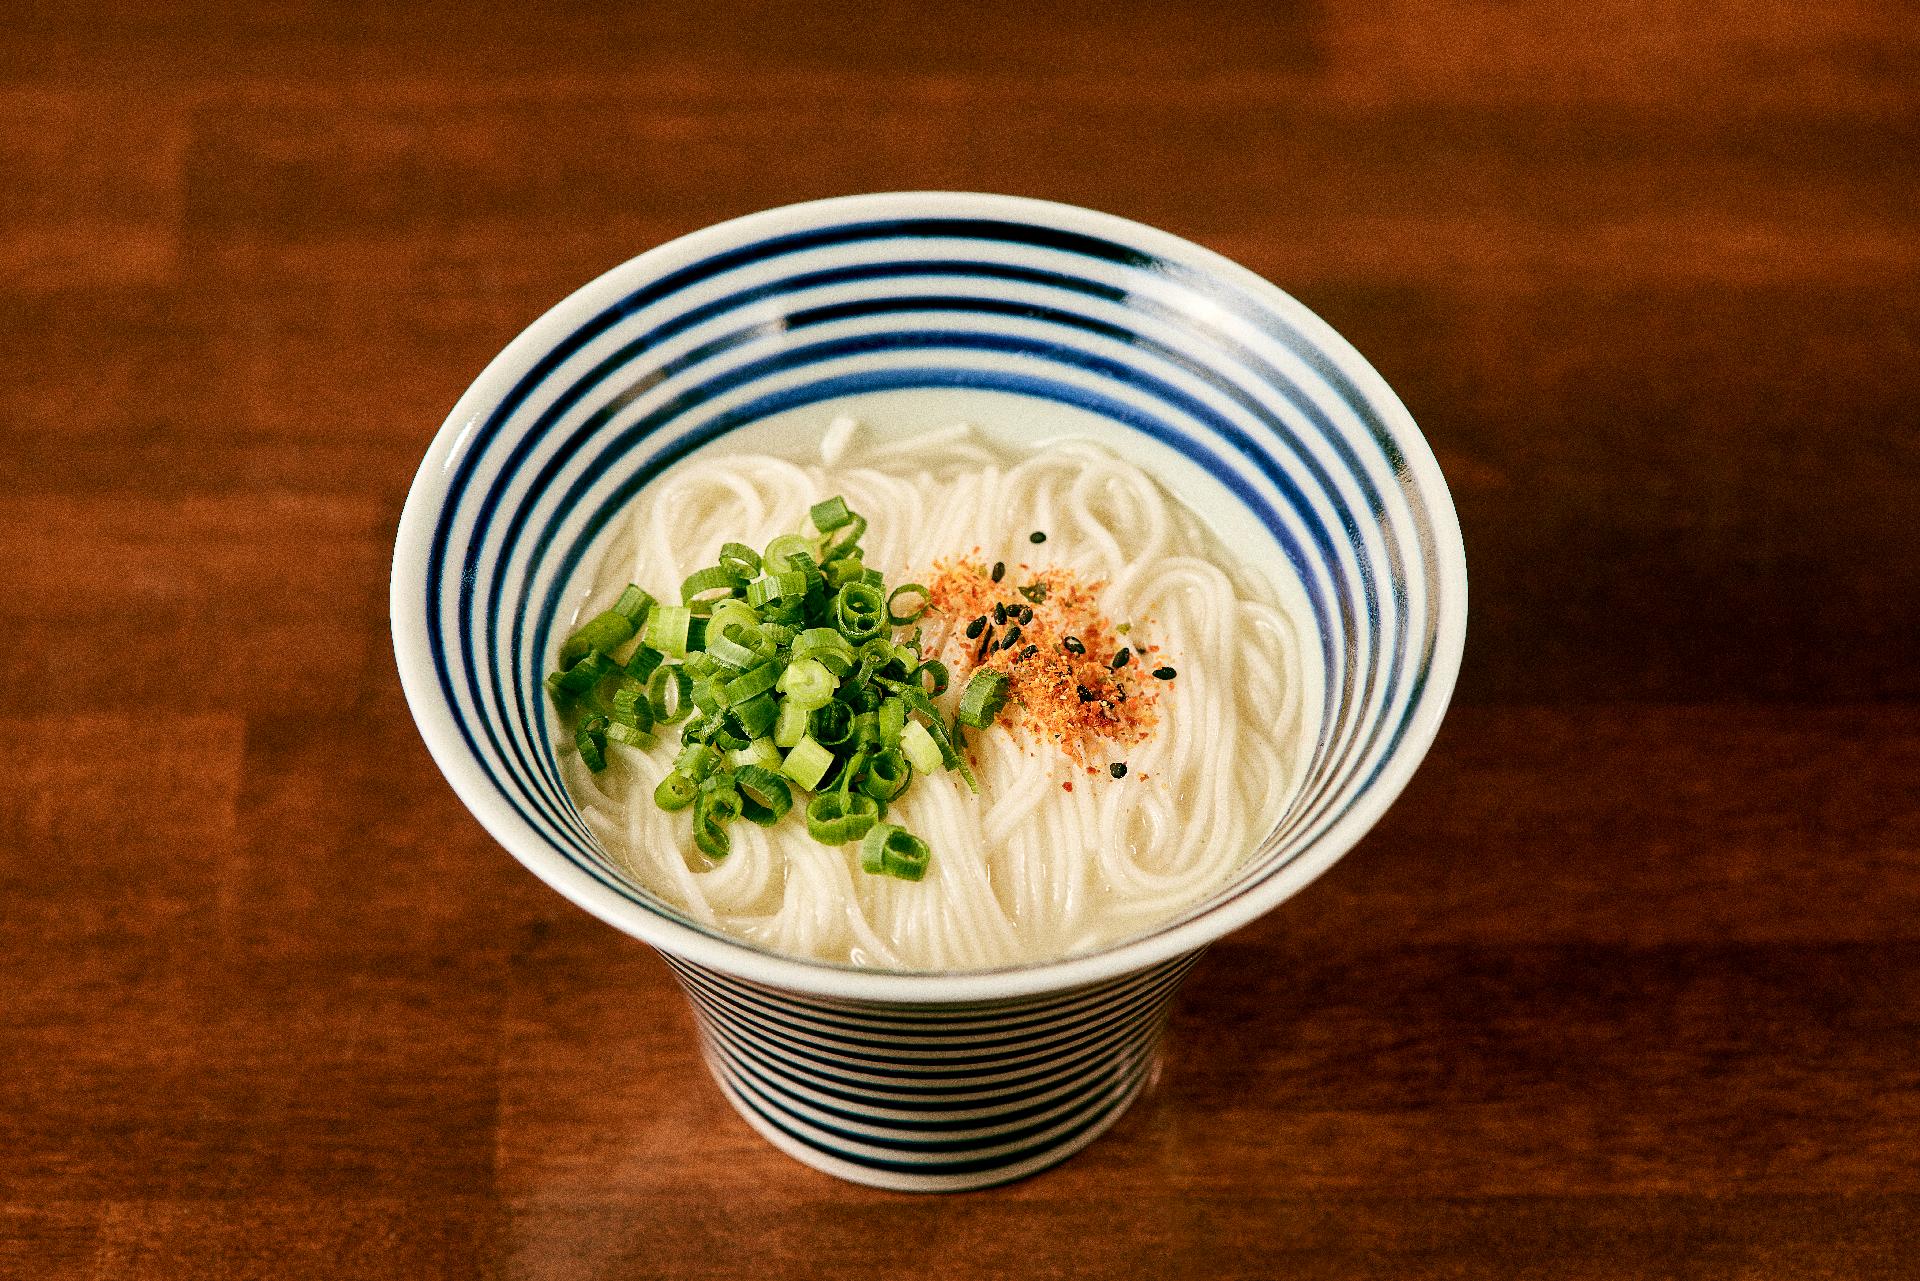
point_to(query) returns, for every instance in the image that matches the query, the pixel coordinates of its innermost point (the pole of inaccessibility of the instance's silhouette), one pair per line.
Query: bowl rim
(435, 720)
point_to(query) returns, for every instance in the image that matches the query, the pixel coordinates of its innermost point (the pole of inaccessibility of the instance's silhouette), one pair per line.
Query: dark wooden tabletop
(1627, 985)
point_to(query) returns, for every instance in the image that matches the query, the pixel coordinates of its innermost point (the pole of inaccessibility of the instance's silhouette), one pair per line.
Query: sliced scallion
(920, 748)
(667, 628)
(591, 739)
(604, 632)
(985, 695)
(887, 775)
(894, 851)
(808, 684)
(588, 672)
(671, 692)
(675, 792)
(830, 515)
(807, 763)
(765, 797)
(835, 818)
(914, 609)
(634, 604)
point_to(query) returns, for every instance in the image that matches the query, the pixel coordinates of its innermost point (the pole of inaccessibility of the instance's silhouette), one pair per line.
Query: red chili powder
(1071, 697)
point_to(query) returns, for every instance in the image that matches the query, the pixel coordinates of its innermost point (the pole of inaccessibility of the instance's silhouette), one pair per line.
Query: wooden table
(1628, 985)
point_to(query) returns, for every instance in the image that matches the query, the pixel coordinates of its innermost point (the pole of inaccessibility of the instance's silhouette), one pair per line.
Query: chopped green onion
(587, 673)
(757, 680)
(710, 837)
(844, 543)
(894, 851)
(633, 605)
(808, 684)
(667, 628)
(831, 724)
(807, 763)
(851, 770)
(774, 588)
(893, 719)
(859, 611)
(643, 663)
(936, 671)
(738, 644)
(591, 739)
(761, 751)
(671, 693)
(756, 716)
(696, 761)
(830, 515)
(604, 632)
(782, 670)
(712, 578)
(835, 818)
(705, 699)
(631, 735)
(841, 572)
(911, 612)
(874, 656)
(950, 745)
(920, 748)
(765, 797)
(631, 708)
(985, 695)
(731, 609)
(739, 560)
(887, 775)
(676, 792)
(780, 553)
(832, 650)
(791, 726)
(719, 799)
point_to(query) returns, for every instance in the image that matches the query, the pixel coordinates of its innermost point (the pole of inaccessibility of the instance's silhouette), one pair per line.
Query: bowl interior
(1255, 411)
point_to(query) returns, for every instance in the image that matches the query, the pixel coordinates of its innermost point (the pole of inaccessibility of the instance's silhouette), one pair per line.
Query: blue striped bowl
(951, 1080)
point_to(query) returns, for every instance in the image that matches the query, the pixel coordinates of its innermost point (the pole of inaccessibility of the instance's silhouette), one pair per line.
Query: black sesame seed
(1036, 537)
(1073, 645)
(976, 626)
(1120, 659)
(1012, 637)
(1026, 613)
(999, 570)
(1029, 652)
(1118, 769)
(1086, 695)
(999, 615)
(1165, 673)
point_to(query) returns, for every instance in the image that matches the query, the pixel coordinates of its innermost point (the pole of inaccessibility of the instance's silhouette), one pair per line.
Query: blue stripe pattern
(932, 1099)
(872, 294)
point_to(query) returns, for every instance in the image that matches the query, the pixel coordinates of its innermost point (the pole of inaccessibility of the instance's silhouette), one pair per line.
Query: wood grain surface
(1626, 986)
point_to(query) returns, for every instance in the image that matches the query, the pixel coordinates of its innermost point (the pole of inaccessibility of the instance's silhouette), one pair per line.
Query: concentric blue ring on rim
(1395, 434)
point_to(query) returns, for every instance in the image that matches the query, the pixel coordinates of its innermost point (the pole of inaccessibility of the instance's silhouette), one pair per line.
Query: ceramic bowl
(949, 1080)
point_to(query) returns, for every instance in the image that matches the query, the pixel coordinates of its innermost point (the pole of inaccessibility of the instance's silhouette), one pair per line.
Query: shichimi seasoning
(1071, 681)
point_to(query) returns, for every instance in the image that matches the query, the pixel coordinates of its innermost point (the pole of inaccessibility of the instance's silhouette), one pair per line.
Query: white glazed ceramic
(952, 1080)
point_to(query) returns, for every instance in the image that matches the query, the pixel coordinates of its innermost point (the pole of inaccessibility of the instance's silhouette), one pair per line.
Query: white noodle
(1027, 870)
